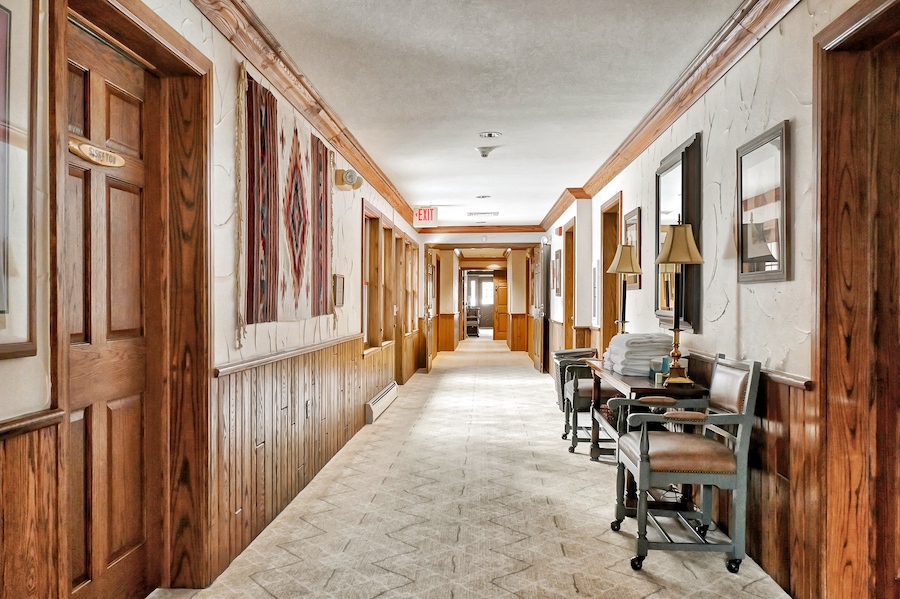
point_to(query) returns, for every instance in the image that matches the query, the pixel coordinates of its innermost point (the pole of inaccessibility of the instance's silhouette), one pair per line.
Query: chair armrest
(660, 401)
(572, 371)
(680, 417)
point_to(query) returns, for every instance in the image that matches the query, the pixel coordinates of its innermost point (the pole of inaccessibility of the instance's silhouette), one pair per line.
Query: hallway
(463, 488)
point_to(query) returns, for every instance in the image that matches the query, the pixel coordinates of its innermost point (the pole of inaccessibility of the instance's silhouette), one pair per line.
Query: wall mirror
(678, 197)
(762, 207)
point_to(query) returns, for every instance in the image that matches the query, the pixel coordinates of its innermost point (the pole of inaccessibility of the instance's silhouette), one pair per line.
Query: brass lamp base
(677, 376)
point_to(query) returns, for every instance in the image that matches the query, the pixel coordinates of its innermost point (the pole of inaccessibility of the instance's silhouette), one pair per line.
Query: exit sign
(426, 215)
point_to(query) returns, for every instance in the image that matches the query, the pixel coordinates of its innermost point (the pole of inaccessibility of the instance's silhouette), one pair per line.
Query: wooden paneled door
(113, 298)
(501, 305)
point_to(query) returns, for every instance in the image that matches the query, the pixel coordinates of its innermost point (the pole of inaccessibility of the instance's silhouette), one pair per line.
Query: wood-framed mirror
(763, 207)
(678, 197)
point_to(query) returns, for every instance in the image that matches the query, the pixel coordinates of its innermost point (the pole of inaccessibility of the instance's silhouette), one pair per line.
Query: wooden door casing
(501, 305)
(114, 481)
(857, 110)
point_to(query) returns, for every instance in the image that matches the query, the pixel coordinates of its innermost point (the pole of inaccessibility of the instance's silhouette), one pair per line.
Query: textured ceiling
(566, 81)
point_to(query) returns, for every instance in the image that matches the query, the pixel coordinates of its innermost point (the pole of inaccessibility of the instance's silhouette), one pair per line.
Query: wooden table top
(636, 386)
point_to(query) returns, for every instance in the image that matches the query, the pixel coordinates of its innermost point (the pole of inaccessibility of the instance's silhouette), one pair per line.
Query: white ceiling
(565, 81)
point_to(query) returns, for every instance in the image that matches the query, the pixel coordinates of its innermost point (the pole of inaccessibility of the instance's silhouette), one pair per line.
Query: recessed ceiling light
(480, 222)
(482, 214)
(481, 197)
(489, 134)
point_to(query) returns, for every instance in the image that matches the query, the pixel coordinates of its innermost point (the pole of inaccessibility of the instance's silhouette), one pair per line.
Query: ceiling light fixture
(481, 197)
(485, 150)
(482, 214)
(489, 134)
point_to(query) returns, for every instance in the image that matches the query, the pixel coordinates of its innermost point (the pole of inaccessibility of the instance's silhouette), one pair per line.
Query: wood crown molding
(480, 229)
(239, 24)
(749, 23)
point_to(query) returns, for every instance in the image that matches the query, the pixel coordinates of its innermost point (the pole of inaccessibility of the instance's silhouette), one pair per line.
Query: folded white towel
(627, 340)
(649, 353)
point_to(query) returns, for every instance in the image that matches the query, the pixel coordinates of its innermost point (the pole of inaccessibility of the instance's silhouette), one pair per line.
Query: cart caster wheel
(734, 565)
(565, 436)
(571, 450)
(637, 563)
(702, 530)
(615, 525)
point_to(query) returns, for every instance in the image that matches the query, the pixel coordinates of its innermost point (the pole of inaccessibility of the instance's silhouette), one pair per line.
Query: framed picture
(557, 272)
(632, 236)
(18, 30)
(338, 290)
(552, 275)
(762, 207)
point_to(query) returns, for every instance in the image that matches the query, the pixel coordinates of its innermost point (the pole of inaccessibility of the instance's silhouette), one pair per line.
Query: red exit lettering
(425, 214)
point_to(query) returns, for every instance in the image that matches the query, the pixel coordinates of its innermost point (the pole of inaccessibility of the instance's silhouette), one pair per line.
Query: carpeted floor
(463, 488)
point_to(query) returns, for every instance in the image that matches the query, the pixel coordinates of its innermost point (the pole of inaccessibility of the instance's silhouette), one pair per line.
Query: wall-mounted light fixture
(347, 180)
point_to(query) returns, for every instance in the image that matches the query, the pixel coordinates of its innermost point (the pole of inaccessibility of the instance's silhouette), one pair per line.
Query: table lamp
(679, 248)
(624, 263)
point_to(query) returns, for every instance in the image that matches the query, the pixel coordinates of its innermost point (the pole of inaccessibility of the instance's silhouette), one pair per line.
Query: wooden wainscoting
(29, 506)
(517, 340)
(413, 343)
(597, 339)
(378, 369)
(280, 420)
(784, 506)
(530, 333)
(557, 336)
(582, 337)
(448, 325)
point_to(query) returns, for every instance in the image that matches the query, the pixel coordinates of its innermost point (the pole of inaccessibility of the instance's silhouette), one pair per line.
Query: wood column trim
(239, 24)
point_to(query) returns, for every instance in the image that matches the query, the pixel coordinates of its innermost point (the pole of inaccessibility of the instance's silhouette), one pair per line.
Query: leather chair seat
(680, 452)
(584, 395)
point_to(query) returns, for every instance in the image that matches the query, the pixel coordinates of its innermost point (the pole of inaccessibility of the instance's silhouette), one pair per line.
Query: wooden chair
(717, 457)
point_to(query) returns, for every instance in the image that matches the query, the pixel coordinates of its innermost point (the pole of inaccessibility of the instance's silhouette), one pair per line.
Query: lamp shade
(679, 247)
(625, 261)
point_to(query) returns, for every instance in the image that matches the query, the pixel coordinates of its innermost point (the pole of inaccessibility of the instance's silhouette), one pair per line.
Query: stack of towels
(630, 354)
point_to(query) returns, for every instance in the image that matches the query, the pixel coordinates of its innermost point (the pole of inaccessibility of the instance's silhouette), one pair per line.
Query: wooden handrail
(30, 422)
(234, 367)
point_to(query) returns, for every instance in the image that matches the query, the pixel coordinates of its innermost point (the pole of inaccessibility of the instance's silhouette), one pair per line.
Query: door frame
(610, 297)
(186, 309)
(568, 281)
(854, 292)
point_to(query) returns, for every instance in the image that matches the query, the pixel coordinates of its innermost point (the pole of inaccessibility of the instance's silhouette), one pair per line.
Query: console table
(632, 387)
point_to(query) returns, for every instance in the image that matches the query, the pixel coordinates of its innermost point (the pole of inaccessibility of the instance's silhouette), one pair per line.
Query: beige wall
(516, 281)
(448, 303)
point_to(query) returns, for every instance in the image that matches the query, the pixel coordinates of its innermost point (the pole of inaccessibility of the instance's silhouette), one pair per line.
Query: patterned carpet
(464, 489)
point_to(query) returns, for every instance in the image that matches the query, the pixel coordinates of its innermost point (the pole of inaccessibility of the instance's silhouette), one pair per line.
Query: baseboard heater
(378, 404)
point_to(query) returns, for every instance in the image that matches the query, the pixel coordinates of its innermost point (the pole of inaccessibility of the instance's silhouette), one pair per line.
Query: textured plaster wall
(557, 242)
(770, 322)
(26, 381)
(346, 244)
